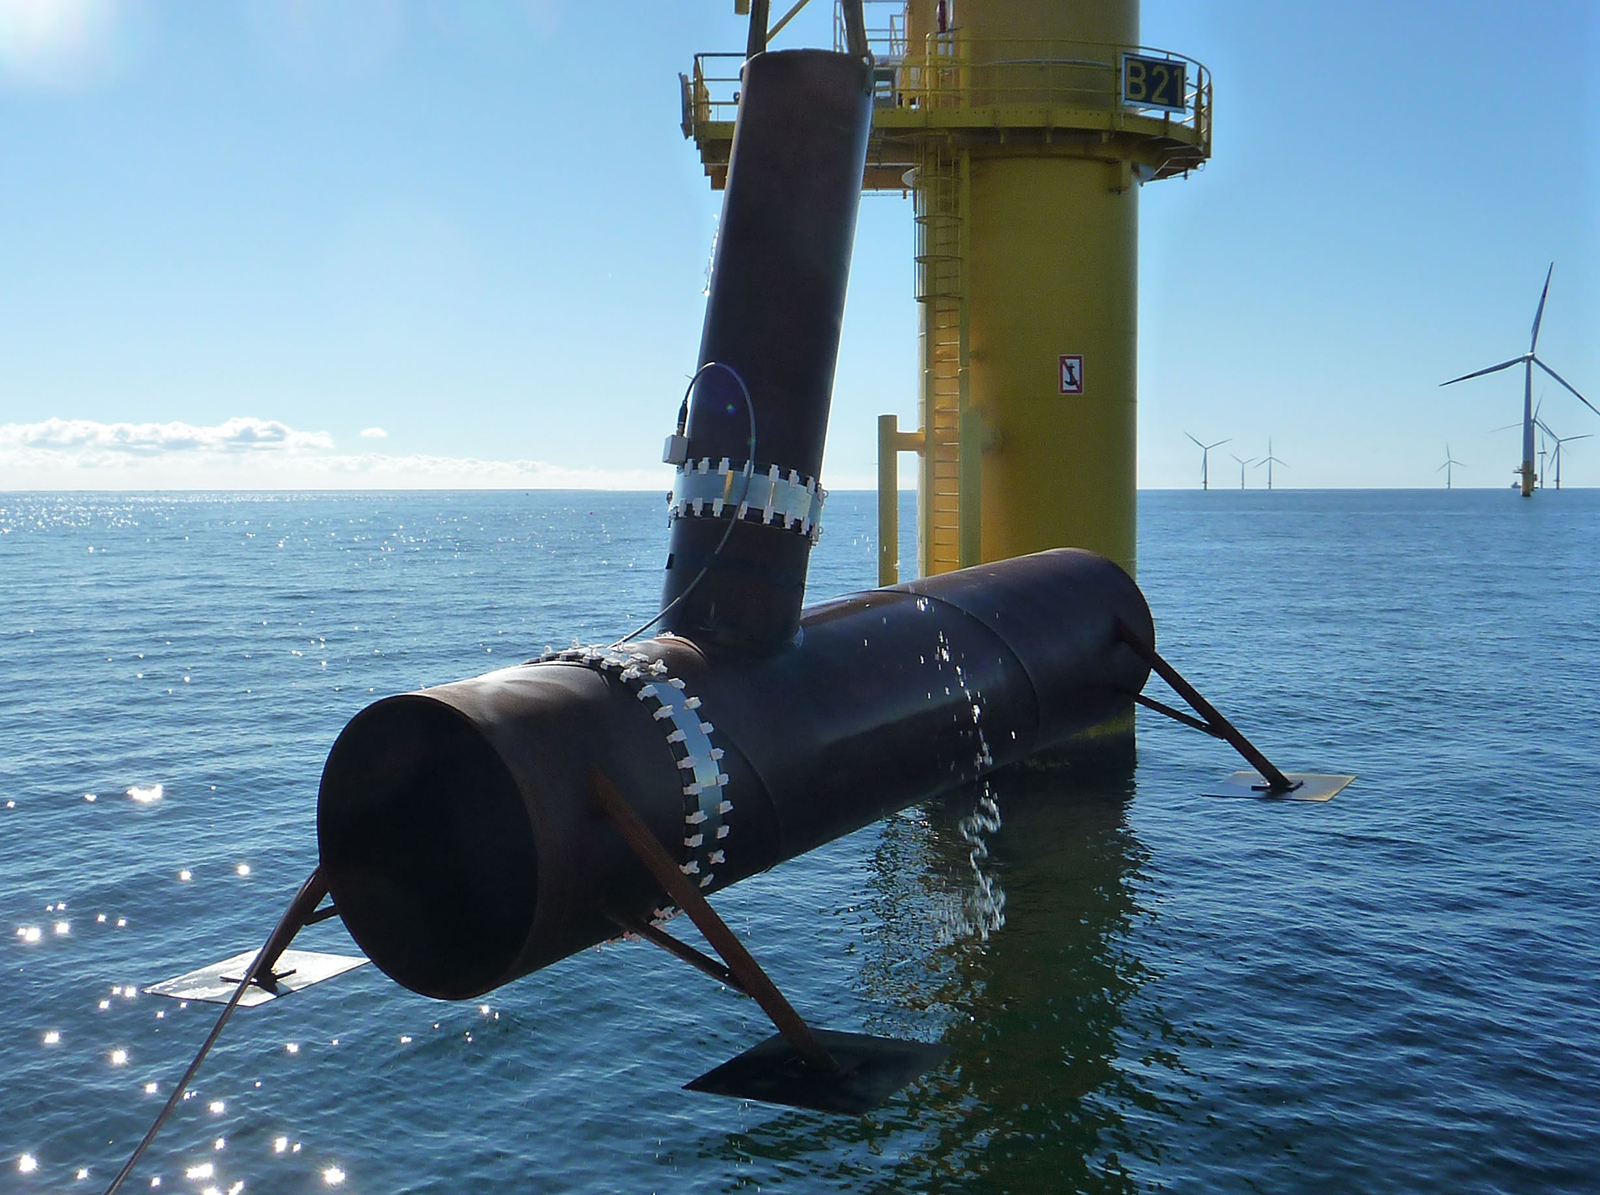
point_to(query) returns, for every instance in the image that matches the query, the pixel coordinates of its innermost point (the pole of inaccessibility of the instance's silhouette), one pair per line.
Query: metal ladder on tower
(948, 517)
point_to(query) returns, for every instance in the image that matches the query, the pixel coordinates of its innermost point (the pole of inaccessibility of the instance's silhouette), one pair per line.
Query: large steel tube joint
(767, 352)
(456, 826)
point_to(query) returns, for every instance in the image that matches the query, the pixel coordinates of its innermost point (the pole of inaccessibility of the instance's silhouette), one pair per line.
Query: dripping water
(981, 909)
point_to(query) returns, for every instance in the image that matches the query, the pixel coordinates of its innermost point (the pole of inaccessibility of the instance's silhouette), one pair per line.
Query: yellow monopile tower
(1023, 129)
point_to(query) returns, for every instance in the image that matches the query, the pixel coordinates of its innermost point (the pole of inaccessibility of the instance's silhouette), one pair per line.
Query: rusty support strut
(750, 977)
(1214, 723)
(295, 917)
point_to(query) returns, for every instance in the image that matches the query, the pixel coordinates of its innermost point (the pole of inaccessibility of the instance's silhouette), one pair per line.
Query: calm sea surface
(1398, 991)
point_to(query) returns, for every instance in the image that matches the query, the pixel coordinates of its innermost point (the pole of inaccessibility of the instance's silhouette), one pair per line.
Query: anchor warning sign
(1072, 373)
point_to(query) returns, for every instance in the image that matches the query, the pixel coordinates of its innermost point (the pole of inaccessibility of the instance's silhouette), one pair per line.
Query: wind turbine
(1543, 432)
(1448, 471)
(1205, 457)
(1559, 441)
(1268, 462)
(1243, 464)
(1528, 361)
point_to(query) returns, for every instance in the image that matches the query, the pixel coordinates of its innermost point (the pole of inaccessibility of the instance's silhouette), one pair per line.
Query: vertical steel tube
(888, 500)
(773, 318)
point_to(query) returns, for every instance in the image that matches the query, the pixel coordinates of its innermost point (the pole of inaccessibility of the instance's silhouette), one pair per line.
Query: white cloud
(374, 433)
(88, 437)
(249, 453)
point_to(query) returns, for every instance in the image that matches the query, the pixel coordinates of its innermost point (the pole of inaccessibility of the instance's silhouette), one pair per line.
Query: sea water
(1396, 991)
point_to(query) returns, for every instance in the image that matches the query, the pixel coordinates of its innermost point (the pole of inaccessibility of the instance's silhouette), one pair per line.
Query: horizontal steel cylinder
(456, 830)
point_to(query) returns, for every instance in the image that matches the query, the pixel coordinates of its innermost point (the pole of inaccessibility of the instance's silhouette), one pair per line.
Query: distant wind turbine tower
(1446, 467)
(1528, 361)
(1543, 431)
(1243, 465)
(1269, 460)
(1205, 457)
(1559, 441)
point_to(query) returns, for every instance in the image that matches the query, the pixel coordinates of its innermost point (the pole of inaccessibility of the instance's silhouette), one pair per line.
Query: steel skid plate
(1314, 786)
(871, 1069)
(295, 969)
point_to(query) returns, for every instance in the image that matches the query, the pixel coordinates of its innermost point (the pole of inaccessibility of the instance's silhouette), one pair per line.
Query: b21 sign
(1153, 82)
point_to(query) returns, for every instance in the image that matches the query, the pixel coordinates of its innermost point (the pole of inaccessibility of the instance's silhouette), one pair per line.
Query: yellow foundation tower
(1022, 129)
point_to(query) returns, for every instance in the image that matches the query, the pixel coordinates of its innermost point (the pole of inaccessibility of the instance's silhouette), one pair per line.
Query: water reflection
(1066, 1071)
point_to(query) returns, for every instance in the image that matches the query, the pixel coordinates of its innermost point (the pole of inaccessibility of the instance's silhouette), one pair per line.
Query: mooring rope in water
(733, 521)
(305, 900)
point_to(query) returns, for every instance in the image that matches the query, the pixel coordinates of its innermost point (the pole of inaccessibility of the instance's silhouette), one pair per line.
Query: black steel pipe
(773, 317)
(461, 846)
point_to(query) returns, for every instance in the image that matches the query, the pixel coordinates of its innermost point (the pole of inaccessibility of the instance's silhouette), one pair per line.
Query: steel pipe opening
(428, 835)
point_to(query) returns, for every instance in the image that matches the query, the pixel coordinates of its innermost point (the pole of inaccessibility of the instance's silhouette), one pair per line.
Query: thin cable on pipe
(293, 914)
(733, 520)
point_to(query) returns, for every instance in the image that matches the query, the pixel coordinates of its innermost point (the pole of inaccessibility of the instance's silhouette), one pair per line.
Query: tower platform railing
(1057, 91)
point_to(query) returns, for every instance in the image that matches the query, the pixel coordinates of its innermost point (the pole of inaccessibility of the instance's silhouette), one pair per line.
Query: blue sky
(235, 237)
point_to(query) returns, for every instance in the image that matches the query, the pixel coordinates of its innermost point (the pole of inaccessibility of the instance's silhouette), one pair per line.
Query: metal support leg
(301, 912)
(678, 949)
(1216, 724)
(751, 978)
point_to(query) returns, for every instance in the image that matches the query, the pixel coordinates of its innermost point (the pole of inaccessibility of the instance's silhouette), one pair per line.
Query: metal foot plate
(871, 1069)
(1314, 786)
(295, 969)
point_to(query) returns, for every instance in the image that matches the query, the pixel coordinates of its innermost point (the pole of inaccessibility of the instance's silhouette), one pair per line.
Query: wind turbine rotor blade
(1567, 384)
(1197, 443)
(1533, 341)
(1443, 467)
(1585, 436)
(1505, 427)
(1491, 369)
(1219, 444)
